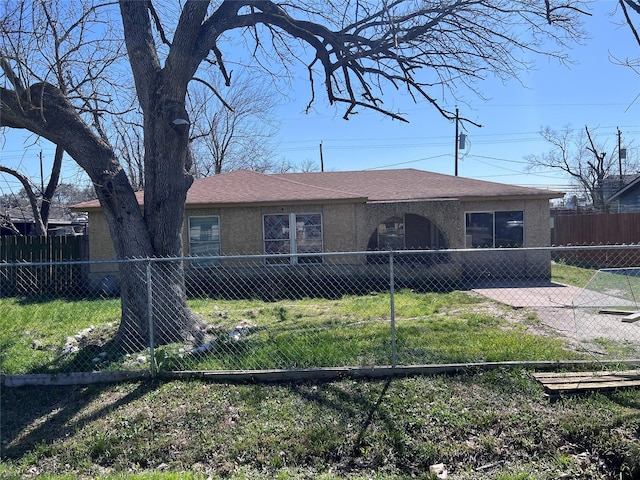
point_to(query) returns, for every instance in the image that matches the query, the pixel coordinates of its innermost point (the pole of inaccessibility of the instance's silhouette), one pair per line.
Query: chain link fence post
(393, 311)
(152, 355)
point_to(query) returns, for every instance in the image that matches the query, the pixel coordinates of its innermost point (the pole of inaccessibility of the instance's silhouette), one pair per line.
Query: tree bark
(167, 161)
(135, 235)
(52, 185)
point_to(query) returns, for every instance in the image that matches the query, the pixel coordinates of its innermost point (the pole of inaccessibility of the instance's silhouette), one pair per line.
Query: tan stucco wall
(346, 227)
(241, 228)
(100, 248)
(449, 216)
(444, 214)
(537, 232)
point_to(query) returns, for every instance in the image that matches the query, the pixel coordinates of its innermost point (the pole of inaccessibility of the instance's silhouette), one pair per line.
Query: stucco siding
(513, 263)
(347, 227)
(537, 232)
(443, 213)
(100, 244)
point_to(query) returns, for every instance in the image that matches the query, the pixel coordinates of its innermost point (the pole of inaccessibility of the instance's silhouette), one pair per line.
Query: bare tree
(579, 156)
(356, 50)
(40, 228)
(238, 136)
(631, 12)
(39, 199)
(58, 42)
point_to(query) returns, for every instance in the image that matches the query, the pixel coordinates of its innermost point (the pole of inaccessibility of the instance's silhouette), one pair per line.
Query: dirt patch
(590, 332)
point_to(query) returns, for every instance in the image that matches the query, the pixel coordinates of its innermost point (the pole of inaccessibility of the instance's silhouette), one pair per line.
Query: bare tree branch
(636, 7)
(215, 92)
(579, 156)
(52, 185)
(39, 225)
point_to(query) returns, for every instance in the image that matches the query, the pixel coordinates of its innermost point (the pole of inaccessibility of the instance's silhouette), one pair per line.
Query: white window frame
(469, 238)
(204, 242)
(293, 240)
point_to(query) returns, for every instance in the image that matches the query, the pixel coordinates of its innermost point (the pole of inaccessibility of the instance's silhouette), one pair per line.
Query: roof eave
(548, 196)
(193, 205)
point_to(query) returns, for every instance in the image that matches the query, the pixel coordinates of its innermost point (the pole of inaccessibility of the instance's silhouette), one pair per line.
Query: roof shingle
(248, 187)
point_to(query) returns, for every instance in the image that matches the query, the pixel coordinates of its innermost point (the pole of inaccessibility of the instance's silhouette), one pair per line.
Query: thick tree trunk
(135, 238)
(166, 185)
(135, 235)
(168, 319)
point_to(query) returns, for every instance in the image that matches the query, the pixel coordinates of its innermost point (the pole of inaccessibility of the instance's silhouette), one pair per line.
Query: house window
(204, 237)
(391, 234)
(408, 232)
(293, 233)
(495, 229)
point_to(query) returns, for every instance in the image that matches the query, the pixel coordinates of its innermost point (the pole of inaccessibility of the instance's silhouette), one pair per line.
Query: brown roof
(248, 187)
(411, 184)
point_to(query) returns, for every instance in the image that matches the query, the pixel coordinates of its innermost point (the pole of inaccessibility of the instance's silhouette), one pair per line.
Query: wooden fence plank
(596, 229)
(42, 279)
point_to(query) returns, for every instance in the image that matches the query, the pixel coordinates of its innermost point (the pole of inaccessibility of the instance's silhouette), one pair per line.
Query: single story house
(20, 221)
(627, 197)
(246, 213)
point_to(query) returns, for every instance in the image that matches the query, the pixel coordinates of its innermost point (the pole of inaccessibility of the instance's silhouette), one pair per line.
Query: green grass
(305, 333)
(482, 425)
(571, 275)
(33, 332)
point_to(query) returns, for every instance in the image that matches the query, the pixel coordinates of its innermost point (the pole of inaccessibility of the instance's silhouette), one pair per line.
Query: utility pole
(456, 143)
(321, 158)
(622, 154)
(461, 138)
(41, 176)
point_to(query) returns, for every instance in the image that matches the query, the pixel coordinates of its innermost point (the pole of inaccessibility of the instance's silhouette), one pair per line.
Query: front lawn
(74, 335)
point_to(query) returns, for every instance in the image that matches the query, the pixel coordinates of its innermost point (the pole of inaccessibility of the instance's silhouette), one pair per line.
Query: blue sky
(593, 91)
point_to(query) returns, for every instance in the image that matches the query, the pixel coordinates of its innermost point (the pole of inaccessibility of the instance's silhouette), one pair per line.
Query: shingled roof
(411, 184)
(244, 187)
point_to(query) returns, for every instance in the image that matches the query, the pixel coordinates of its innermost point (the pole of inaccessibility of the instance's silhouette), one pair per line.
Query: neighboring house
(245, 212)
(19, 221)
(625, 199)
(613, 183)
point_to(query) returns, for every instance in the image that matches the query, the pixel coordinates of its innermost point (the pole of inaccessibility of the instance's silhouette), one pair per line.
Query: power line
(410, 161)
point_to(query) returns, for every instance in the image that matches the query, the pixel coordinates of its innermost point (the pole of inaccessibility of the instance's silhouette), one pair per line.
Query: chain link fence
(356, 309)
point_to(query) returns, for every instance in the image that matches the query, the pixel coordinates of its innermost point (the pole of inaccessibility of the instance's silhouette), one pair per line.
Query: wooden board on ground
(573, 382)
(634, 317)
(615, 311)
(629, 316)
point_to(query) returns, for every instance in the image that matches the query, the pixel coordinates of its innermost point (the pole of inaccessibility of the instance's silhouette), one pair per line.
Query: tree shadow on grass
(32, 416)
(363, 408)
(92, 355)
(97, 351)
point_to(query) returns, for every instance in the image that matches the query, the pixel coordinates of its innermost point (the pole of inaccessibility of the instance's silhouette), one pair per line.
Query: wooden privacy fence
(17, 249)
(53, 277)
(598, 229)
